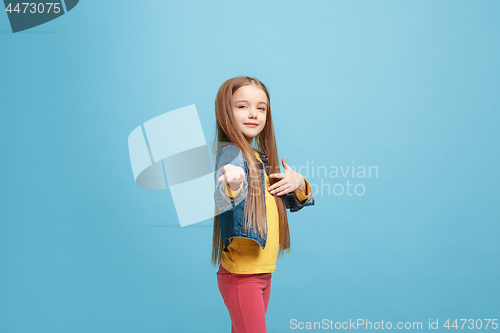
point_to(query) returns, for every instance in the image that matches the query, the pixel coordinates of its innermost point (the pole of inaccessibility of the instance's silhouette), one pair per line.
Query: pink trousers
(246, 297)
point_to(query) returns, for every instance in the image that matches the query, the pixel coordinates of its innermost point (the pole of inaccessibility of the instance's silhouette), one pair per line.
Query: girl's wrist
(302, 186)
(235, 186)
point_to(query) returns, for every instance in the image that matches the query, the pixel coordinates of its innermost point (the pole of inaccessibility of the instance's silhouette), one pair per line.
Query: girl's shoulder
(227, 148)
(229, 154)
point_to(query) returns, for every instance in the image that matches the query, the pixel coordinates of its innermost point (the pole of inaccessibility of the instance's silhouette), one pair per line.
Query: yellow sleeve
(233, 194)
(301, 195)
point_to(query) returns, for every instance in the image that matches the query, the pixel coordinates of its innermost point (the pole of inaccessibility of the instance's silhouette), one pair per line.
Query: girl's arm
(294, 205)
(296, 200)
(303, 194)
(229, 155)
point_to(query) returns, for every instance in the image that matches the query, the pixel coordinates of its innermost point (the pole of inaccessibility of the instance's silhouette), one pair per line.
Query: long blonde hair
(228, 131)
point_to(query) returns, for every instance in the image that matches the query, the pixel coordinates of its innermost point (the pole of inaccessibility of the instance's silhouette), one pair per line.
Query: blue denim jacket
(231, 210)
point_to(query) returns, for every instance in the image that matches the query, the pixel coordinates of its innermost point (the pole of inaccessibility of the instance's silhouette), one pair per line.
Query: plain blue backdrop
(410, 87)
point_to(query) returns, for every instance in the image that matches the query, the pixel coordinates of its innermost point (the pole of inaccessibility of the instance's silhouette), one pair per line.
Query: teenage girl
(251, 195)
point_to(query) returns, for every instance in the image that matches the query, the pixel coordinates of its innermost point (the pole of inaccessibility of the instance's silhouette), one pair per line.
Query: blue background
(408, 86)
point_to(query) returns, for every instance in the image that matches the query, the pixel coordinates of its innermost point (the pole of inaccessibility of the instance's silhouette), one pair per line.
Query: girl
(251, 195)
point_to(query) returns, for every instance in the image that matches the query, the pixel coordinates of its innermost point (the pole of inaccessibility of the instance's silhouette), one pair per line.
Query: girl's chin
(250, 132)
(249, 137)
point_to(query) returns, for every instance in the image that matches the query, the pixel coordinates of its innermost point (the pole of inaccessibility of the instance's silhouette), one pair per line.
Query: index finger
(277, 175)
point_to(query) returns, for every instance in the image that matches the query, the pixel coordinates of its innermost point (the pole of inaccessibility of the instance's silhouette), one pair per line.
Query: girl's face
(250, 107)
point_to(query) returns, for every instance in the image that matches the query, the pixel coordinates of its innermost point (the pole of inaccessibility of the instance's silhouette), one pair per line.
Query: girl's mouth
(251, 125)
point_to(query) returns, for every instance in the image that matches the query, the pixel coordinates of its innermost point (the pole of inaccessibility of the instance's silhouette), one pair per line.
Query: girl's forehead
(250, 90)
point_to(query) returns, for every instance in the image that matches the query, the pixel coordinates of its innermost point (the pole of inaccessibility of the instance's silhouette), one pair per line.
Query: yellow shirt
(246, 256)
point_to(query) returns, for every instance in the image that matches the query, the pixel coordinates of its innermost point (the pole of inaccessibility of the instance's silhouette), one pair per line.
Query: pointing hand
(233, 175)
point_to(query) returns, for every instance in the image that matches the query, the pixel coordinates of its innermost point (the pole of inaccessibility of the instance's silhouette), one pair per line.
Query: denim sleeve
(294, 204)
(229, 155)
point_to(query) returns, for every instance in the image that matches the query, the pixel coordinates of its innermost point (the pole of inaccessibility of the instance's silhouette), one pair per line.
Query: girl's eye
(244, 106)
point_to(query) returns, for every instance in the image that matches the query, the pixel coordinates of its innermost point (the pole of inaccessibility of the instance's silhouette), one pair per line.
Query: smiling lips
(251, 124)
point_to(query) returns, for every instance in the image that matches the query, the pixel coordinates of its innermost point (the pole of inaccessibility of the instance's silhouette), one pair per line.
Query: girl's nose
(253, 113)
